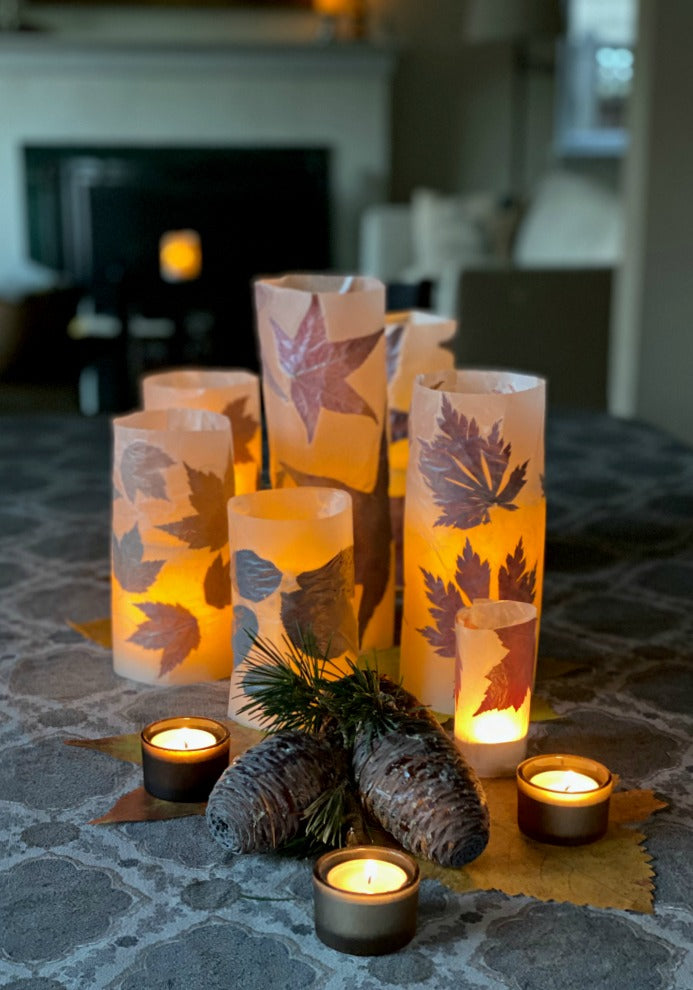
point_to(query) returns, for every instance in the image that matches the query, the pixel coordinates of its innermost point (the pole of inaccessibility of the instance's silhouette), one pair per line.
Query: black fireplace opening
(97, 215)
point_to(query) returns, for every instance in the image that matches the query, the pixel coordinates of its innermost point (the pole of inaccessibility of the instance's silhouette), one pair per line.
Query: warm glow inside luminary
(475, 513)
(325, 395)
(234, 392)
(292, 570)
(170, 588)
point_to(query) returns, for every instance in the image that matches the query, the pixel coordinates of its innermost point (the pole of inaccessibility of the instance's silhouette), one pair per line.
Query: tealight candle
(563, 799)
(366, 899)
(182, 758)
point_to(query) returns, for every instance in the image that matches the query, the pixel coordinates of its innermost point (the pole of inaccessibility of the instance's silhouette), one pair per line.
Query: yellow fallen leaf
(97, 630)
(140, 806)
(126, 747)
(540, 710)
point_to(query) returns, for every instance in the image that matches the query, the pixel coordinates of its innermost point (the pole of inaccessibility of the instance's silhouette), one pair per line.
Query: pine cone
(259, 801)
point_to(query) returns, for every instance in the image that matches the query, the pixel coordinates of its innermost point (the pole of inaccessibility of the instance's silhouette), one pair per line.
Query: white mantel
(71, 89)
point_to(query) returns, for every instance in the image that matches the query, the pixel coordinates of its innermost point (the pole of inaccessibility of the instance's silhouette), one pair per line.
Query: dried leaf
(515, 582)
(243, 428)
(318, 367)
(97, 630)
(446, 601)
(256, 578)
(511, 677)
(217, 584)
(323, 603)
(541, 711)
(131, 572)
(170, 628)
(126, 747)
(467, 472)
(209, 526)
(140, 469)
(473, 575)
(141, 806)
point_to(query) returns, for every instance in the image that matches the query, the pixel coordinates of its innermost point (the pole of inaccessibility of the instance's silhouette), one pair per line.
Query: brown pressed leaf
(131, 572)
(255, 577)
(511, 678)
(209, 526)
(243, 428)
(170, 628)
(445, 603)
(515, 582)
(473, 575)
(97, 630)
(323, 603)
(318, 367)
(141, 469)
(466, 471)
(126, 747)
(141, 806)
(217, 583)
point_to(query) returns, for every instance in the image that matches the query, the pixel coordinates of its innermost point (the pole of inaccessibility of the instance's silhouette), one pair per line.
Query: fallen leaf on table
(140, 806)
(540, 710)
(97, 630)
(126, 747)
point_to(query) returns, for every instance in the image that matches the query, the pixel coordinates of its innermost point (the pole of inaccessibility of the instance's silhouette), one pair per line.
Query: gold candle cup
(188, 775)
(563, 817)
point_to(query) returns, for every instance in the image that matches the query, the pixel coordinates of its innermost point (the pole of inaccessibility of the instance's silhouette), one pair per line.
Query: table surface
(161, 905)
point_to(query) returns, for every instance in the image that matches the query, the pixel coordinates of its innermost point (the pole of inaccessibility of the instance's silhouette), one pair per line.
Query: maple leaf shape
(465, 470)
(399, 424)
(256, 578)
(140, 470)
(446, 601)
(243, 428)
(511, 678)
(372, 532)
(515, 582)
(323, 603)
(131, 572)
(209, 526)
(318, 368)
(473, 576)
(217, 583)
(170, 628)
(394, 338)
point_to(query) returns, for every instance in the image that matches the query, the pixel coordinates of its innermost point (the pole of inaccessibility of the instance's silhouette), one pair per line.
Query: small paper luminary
(182, 758)
(563, 799)
(233, 392)
(365, 899)
(496, 646)
(325, 391)
(292, 571)
(475, 512)
(170, 587)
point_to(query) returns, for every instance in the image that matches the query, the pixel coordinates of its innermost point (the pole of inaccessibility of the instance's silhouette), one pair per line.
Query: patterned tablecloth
(160, 905)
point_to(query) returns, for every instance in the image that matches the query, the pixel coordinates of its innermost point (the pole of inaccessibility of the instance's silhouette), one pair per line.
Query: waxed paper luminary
(494, 670)
(325, 392)
(170, 587)
(292, 573)
(415, 342)
(234, 392)
(475, 514)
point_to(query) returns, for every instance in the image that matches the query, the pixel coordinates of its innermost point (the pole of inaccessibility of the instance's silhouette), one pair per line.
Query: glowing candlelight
(183, 757)
(567, 781)
(183, 739)
(563, 798)
(367, 876)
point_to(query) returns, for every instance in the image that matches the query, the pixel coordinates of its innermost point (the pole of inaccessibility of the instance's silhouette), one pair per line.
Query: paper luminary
(496, 646)
(233, 392)
(292, 570)
(325, 391)
(475, 514)
(170, 587)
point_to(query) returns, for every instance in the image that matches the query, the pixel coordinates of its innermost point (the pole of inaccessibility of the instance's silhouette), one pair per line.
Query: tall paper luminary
(233, 392)
(292, 571)
(170, 587)
(325, 391)
(475, 514)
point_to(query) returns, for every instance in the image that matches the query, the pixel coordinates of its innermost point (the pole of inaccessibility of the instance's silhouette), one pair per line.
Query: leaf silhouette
(399, 424)
(515, 582)
(446, 601)
(141, 806)
(209, 526)
(372, 532)
(511, 678)
(131, 572)
(318, 367)
(256, 578)
(394, 338)
(245, 627)
(217, 583)
(140, 470)
(467, 472)
(170, 628)
(243, 428)
(473, 575)
(324, 603)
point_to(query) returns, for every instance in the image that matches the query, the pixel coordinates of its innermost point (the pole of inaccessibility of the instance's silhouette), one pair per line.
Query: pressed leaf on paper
(256, 577)
(473, 575)
(131, 572)
(511, 677)
(97, 630)
(141, 469)
(322, 602)
(243, 428)
(170, 628)
(217, 583)
(208, 527)
(515, 582)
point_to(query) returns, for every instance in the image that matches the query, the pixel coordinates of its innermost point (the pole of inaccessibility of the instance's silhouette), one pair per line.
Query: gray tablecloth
(160, 905)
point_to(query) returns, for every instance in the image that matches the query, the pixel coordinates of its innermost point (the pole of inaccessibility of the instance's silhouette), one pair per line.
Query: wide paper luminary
(233, 392)
(292, 574)
(325, 391)
(475, 514)
(170, 587)
(496, 646)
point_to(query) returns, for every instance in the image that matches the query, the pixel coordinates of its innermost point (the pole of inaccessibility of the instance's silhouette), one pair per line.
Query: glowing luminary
(233, 392)
(170, 587)
(325, 391)
(292, 572)
(475, 514)
(496, 646)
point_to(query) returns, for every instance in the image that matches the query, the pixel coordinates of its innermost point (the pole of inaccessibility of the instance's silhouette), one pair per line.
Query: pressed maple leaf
(141, 465)
(256, 578)
(468, 472)
(515, 582)
(446, 601)
(394, 338)
(511, 678)
(243, 428)
(209, 526)
(169, 628)
(131, 572)
(473, 575)
(318, 367)
(323, 603)
(217, 583)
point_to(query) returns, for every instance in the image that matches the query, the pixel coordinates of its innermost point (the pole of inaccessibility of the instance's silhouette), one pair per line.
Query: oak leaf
(217, 583)
(141, 467)
(169, 628)
(511, 678)
(208, 527)
(131, 572)
(255, 577)
(243, 428)
(323, 603)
